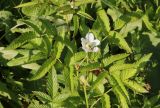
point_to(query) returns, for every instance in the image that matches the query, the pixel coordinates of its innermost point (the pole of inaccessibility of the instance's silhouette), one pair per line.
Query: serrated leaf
(117, 39)
(144, 59)
(105, 99)
(128, 73)
(104, 20)
(59, 44)
(117, 67)
(99, 79)
(90, 67)
(118, 91)
(32, 25)
(49, 27)
(61, 97)
(27, 4)
(52, 83)
(42, 96)
(26, 59)
(77, 57)
(82, 2)
(46, 66)
(76, 24)
(85, 15)
(108, 60)
(148, 23)
(135, 86)
(21, 40)
(71, 75)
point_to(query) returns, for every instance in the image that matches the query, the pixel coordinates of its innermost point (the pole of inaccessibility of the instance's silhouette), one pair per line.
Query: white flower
(89, 44)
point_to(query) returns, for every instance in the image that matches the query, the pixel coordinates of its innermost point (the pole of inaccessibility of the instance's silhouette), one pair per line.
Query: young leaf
(42, 96)
(25, 37)
(46, 66)
(52, 83)
(128, 73)
(108, 60)
(85, 15)
(119, 40)
(104, 20)
(117, 67)
(135, 86)
(144, 59)
(90, 67)
(77, 57)
(76, 24)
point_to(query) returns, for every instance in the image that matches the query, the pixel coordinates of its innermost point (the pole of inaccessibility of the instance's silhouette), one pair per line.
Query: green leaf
(122, 98)
(90, 67)
(85, 15)
(27, 4)
(135, 86)
(105, 99)
(82, 2)
(121, 85)
(48, 44)
(77, 57)
(59, 44)
(71, 77)
(117, 67)
(49, 27)
(61, 97)
(24, 38)
(5, 92)
(42, 96)
(108, 60)
(144, 59)
(33, 66)
(32, 25)
(76, 24)
(99, 79)
(52, 83)
(46, 66)
(104, 20)
(128, 73)
(117, 39)
(26, 59)
(8, 54)
(148, 23)
(151, 102)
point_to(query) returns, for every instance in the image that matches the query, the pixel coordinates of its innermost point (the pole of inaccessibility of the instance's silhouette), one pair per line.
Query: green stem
(86, 97)
(95, 102)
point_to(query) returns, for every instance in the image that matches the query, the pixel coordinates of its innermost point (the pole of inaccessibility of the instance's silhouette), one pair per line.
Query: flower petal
(95, 49)
(96, 42)
(83, 42)
(85, 49)
(90, 37)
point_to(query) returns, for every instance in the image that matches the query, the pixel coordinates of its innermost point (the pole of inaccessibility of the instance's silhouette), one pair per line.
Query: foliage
(43, 64)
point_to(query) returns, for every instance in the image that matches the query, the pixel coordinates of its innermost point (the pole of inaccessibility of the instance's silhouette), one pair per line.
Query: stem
(95, 102)
(86, 97)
